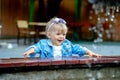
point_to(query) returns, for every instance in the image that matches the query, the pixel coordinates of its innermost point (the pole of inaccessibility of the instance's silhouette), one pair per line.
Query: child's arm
(90, 53)
(30, 51)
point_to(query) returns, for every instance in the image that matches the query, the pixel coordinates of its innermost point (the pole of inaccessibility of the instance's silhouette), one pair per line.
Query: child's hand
(26, 54)
(96, 55)
(92, 54)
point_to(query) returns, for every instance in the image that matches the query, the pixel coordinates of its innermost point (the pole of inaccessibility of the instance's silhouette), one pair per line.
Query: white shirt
(57, 53)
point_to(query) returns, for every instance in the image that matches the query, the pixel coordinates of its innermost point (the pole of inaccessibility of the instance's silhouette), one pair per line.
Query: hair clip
(57, 20)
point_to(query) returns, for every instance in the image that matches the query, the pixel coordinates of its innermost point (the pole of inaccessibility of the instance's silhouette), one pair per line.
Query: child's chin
(59, 44)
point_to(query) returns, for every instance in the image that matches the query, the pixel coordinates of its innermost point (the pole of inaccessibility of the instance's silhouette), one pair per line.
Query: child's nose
(62, 36)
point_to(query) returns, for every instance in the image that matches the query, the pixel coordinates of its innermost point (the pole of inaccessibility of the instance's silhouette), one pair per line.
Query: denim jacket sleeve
(37, 48)
(77, 49)
(42, 48)
(74, 48)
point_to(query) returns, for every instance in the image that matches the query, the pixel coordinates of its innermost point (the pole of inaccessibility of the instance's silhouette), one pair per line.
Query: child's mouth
(60, 40)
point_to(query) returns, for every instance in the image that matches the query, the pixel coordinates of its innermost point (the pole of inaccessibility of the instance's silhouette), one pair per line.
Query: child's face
(57, 37)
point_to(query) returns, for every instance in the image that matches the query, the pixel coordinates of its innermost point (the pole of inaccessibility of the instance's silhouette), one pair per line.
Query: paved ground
(9, 48)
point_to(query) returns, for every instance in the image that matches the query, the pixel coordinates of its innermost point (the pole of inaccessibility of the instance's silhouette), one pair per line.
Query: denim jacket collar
(49, 42)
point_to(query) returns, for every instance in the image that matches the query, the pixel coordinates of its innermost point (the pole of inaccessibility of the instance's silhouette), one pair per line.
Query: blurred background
(87, 20)
(91, 16)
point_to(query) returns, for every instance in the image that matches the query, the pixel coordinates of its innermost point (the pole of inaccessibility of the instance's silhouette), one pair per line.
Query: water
(103, 48)
(66, 74)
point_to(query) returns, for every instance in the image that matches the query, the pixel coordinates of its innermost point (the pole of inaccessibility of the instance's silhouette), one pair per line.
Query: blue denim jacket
(45, 49)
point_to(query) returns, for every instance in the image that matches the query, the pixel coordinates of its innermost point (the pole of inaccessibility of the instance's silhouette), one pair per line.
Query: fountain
(105, 12)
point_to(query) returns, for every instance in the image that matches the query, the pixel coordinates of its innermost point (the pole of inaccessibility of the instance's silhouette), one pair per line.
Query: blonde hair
(56, 24)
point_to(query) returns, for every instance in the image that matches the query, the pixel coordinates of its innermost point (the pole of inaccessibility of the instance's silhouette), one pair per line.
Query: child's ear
(48, 34)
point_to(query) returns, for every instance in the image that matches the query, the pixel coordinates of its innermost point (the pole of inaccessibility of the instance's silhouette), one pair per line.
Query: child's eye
(58, 33)
(64, 34)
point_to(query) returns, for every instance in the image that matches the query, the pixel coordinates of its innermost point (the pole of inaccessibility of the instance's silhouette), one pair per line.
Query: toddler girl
(57, 46)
